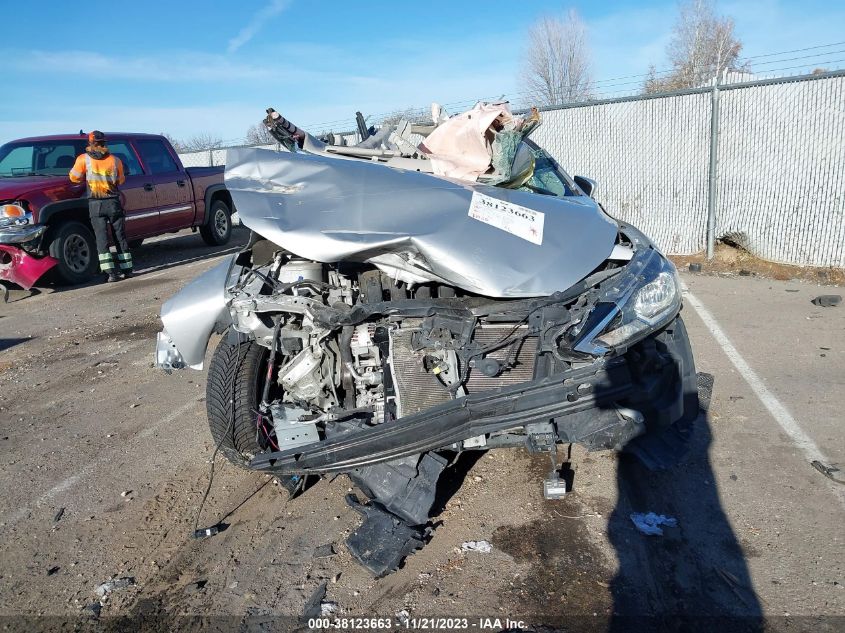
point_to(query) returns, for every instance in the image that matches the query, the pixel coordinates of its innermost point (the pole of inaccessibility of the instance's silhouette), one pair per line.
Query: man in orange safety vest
(103, 172)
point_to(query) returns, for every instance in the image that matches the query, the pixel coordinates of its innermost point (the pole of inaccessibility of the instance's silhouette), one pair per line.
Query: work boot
(127, 274)
(112, 278)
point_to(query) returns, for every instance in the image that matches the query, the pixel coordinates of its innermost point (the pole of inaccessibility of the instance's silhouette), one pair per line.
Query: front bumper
(21, 234)
(21, 268)
(590, 405)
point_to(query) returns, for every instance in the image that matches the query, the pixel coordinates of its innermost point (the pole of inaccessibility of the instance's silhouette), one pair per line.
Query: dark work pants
(105, 211)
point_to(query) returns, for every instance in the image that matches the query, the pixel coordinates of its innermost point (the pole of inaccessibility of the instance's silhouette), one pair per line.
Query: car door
(137, 194)
(174, 195)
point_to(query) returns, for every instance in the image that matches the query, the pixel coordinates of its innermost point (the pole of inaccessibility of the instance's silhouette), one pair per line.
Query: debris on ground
(827, 301)
(327, 608)
(383, 540)
(324, 551)
(59, 514)
(195, 587)
(733, 583)
(650, 523)
(477, 546)
(705, 390)
(53, 570)
(832, 472)
(112, 585)
(93, 609)
(313, 606)
(695, 268)
(403, 617)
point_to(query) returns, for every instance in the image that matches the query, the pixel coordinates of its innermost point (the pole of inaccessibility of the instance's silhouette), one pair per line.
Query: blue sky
(191, 67)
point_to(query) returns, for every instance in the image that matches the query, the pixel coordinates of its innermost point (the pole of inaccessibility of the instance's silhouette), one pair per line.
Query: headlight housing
(641, 299)
(14, 215)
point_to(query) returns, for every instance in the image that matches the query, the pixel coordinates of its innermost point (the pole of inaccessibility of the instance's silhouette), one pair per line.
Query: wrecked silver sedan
(388, 314)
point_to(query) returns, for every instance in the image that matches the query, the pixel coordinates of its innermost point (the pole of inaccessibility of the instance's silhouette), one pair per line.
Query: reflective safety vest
(102, 175)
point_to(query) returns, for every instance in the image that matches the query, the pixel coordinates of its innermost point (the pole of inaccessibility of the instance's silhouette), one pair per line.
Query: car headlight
(14, 215)
(656, 297)
(643, 298)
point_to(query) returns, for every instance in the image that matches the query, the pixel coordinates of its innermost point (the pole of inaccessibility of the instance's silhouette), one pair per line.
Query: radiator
(418, 389)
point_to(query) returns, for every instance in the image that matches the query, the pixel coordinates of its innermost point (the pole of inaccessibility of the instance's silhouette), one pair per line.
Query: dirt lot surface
(731, 261)
(105, 459)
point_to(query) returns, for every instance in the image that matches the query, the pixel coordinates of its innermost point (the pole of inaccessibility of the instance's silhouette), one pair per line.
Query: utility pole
(712, 189)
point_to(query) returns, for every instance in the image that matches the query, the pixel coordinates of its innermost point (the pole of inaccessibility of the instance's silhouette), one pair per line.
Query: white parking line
(191, 260)
(779, 412)
(172, 267)
(105, 459)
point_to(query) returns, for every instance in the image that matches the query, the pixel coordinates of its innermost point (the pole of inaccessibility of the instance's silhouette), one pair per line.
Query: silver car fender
(191, 315)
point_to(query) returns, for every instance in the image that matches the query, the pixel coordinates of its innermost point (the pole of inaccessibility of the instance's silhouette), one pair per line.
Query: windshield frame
(568, 181)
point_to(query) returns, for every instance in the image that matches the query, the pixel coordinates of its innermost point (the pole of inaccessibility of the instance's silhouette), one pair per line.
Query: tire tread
(231, 396)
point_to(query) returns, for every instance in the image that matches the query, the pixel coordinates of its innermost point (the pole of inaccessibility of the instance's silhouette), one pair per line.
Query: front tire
(75, 248)
(235, 383)
(218, 229)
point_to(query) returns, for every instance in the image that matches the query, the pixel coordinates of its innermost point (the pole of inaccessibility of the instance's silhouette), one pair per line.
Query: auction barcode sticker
(513, 218)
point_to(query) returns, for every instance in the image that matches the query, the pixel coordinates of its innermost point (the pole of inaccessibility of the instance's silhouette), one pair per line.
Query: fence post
(211, 157)
(712, 189)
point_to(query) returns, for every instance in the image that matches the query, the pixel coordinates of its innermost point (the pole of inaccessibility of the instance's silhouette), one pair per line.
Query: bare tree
(412, 115)
(258, 134)
(202, 141)
(652, 84)
(176, 143)
(557, 62)
(703, 46)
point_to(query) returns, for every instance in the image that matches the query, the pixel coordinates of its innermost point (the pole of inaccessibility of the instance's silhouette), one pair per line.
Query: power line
(606, 86)
(796, 50)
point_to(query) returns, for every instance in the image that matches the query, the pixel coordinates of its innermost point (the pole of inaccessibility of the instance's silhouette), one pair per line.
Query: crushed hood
(417, 227)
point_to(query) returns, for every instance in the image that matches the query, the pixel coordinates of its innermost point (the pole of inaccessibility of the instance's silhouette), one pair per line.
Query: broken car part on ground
(382, 319)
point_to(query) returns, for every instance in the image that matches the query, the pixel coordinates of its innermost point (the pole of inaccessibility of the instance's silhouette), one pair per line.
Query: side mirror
(587, 185)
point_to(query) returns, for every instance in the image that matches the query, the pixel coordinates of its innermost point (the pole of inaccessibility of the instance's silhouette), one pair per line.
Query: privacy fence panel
(649, 157)
(781, 190)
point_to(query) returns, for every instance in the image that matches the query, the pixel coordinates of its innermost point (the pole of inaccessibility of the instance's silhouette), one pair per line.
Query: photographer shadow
(694, 576)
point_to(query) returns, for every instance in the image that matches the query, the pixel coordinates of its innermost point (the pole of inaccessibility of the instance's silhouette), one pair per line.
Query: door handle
(181, 183)
(149, 187)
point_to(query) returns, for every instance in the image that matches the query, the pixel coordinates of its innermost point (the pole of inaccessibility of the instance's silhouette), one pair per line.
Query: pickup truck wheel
(233, 391)
(218, 229)
(73, 245)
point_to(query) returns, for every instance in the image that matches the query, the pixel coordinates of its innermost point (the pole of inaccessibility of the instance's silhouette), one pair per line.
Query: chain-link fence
(766, 158)
(778, 166)
(213, 157)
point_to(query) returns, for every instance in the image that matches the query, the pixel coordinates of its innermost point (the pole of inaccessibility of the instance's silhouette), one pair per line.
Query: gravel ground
(105, 460)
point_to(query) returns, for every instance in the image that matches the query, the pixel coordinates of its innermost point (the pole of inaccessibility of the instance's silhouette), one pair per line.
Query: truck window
(18, 161)
(156, 157)
(43, 158)
(121, 150)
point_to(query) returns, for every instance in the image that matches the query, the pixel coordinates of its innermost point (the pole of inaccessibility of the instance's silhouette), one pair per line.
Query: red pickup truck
(44, 217)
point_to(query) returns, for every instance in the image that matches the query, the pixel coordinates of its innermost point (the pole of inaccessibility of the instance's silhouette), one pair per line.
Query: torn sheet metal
(417, 227)
(461, 146)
